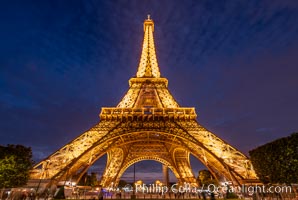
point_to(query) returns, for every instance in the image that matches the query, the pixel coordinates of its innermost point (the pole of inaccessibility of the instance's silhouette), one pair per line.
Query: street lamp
(133, 196)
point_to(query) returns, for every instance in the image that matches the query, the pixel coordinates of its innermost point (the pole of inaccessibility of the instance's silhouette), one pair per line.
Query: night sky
(61, 61)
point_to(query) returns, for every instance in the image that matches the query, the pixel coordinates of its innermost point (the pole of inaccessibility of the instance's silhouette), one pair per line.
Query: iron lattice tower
(147, 124)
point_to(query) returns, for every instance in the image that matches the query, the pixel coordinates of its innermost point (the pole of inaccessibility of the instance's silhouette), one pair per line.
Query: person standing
(100, 194)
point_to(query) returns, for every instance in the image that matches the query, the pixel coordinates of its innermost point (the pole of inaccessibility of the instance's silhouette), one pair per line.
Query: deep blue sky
(61, 61)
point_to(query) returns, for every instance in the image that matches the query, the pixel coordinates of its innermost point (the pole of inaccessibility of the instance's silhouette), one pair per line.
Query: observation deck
(147, 113)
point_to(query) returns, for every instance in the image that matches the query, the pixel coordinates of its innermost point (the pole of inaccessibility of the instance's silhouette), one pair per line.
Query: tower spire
(148, 66)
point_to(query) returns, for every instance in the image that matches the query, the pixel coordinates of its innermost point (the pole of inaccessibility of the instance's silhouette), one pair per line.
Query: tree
(89, 180)
(15, 163)
(122, 183)
(277, 161)
(93, 179)
(83, 180)
(205, 178)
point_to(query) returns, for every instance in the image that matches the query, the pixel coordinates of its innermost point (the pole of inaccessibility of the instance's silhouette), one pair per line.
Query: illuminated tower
(147, 124)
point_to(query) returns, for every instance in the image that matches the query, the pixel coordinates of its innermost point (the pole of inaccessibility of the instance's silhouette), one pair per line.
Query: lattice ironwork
(147, 124)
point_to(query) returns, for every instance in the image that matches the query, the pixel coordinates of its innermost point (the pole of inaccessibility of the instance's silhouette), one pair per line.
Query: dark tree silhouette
(15, 163)
(277, 161)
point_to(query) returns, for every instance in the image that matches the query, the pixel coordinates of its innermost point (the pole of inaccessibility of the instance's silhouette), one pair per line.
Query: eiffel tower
(147, 124)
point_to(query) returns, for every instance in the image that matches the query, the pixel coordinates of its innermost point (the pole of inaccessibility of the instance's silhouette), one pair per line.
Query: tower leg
(165, 171)
(181, 158)
(114, 163)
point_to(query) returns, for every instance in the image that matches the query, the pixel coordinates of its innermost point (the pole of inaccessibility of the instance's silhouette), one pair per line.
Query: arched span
(171, 135)
(142, 158)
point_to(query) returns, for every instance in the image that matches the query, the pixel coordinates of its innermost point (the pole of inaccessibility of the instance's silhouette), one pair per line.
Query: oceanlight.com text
(211, 188)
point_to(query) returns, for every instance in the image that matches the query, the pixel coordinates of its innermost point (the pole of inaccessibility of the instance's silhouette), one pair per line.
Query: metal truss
(168, 141)
(147, 124)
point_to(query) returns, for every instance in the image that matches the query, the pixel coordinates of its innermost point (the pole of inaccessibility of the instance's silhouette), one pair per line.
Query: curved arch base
(126, 142)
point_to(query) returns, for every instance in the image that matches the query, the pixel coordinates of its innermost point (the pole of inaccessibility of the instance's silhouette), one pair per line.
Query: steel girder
(148, 123)
(170, 142)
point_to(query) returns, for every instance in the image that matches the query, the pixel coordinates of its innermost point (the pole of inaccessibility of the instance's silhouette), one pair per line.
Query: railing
(120, 113)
